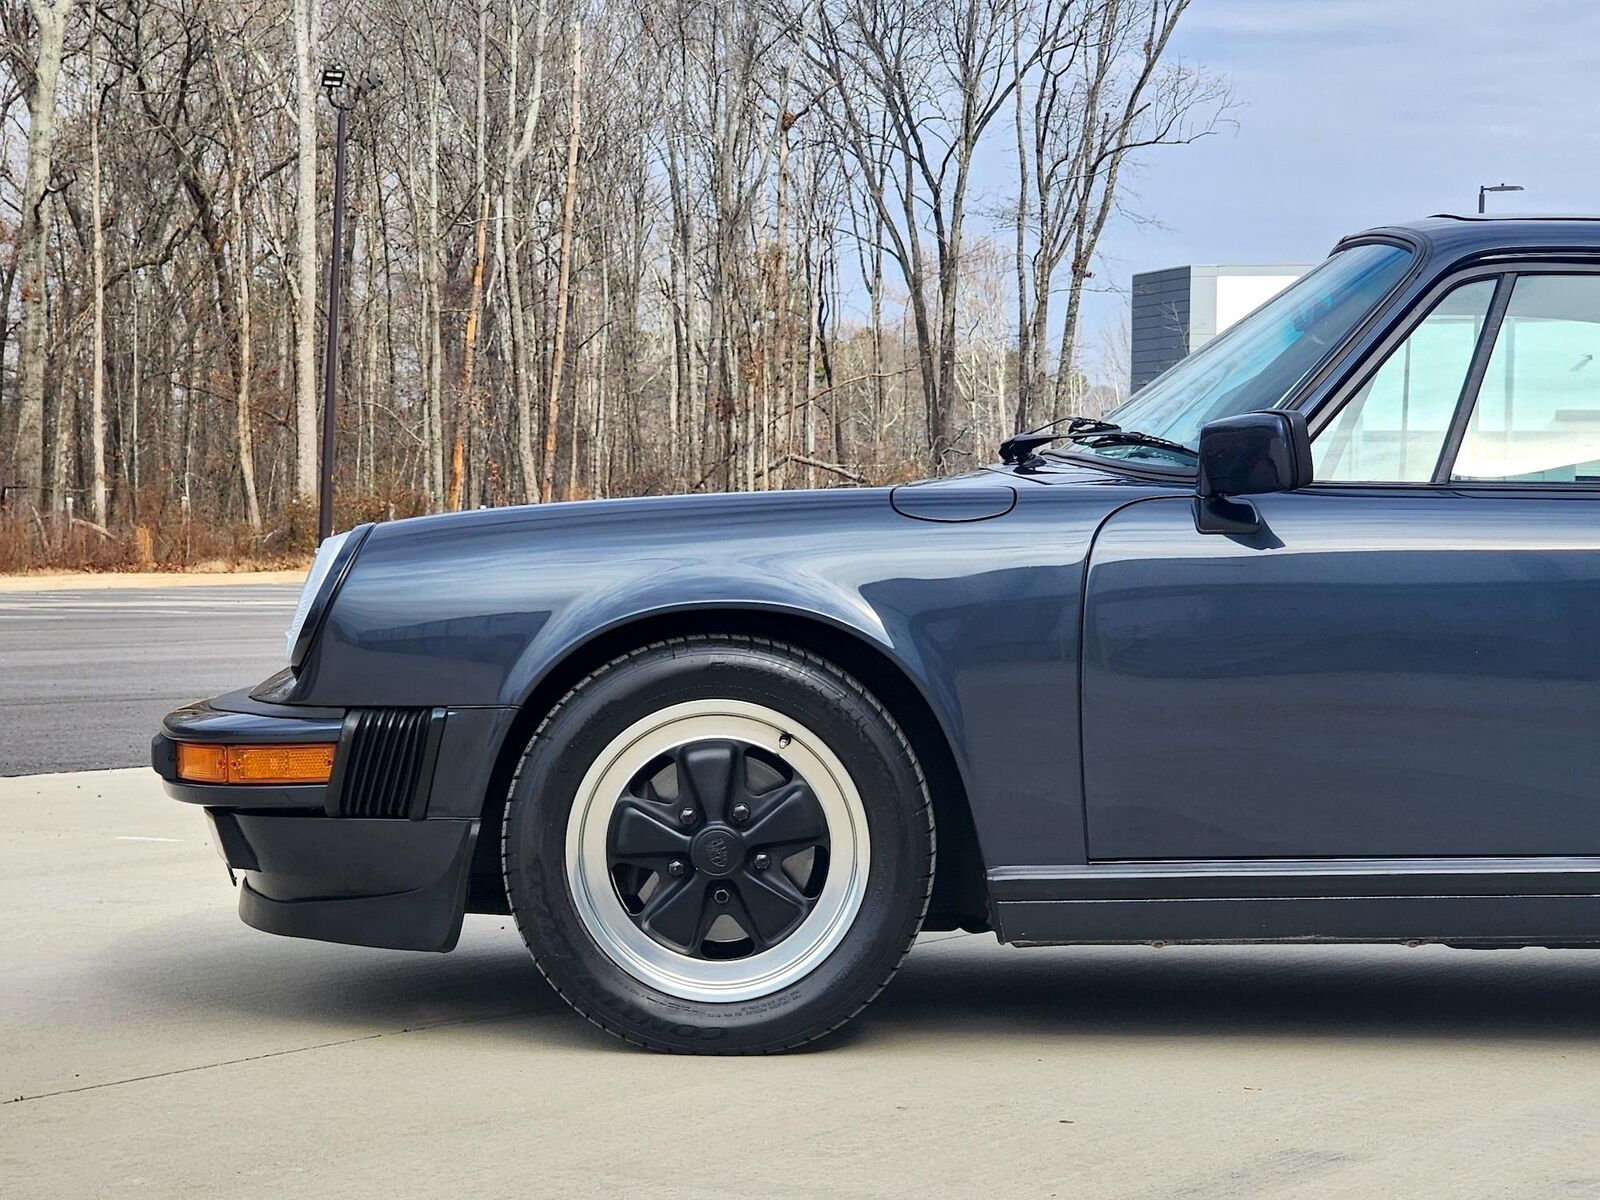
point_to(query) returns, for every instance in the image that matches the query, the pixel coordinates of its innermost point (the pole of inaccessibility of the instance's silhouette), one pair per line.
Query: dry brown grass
(166, 538)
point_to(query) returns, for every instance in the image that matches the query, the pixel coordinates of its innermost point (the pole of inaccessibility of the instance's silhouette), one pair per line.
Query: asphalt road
(85, 676)
(151, 1045)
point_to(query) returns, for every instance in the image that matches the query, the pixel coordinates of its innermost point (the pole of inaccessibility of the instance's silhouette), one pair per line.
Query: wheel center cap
(717, 851)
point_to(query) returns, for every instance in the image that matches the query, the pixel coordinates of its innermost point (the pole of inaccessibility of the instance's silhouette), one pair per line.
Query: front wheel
(718, 845)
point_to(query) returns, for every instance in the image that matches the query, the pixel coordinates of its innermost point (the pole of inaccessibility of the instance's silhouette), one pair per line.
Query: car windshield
(1258, 363)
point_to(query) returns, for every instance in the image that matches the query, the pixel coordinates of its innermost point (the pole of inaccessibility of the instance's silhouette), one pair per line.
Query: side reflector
(199, 763)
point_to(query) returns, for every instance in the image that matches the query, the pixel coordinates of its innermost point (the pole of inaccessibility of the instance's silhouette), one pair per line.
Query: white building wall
(1239, 295)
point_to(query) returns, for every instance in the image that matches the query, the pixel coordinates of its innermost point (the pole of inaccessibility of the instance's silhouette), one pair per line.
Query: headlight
(327, 570)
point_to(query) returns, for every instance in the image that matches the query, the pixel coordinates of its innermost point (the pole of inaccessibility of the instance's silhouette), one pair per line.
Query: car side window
(1537, 416)
(1393, 430)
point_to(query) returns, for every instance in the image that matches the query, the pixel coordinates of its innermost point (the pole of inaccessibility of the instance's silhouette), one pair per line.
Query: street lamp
(1496, 187)
(343, 99)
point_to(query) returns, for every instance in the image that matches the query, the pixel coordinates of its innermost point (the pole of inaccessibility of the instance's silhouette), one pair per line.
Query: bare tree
(469, 335)
(97, 260)
(35, 58)
(936, 78)
(563, 300)
(511, 192)
(1105, 91)
(305, 219)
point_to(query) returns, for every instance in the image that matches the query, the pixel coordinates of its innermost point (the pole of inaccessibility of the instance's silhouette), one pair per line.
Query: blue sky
(1352, 113)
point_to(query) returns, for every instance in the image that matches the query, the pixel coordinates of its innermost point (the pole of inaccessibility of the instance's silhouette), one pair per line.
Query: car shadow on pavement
(232, 971)
(960, 987)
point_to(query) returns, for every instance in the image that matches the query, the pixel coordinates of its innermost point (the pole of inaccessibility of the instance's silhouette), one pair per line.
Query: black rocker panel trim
(1458, 920)
(1296, 878)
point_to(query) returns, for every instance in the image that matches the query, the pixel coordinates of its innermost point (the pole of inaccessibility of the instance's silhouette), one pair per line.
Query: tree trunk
(1024, 355)
(50, 17)
(435, 332)
(469, 338)
(244, 358)
(97, 368)
(521, 355)
(558, 348)
(243, 431)
(305, 346)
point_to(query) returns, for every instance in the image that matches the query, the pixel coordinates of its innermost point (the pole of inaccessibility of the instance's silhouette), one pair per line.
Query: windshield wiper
(1132, 437)
(1019, 447)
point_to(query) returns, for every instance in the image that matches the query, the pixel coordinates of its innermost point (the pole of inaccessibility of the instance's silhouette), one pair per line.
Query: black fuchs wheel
(718, 845)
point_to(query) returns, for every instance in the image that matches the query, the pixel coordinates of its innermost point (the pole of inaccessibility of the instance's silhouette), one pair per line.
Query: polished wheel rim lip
(614, 929)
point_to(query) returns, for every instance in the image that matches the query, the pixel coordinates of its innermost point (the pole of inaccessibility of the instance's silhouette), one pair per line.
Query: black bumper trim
(399, 885)
(300, 797)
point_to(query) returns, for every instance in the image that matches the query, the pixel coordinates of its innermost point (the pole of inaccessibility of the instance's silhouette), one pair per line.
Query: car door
(1405, 662)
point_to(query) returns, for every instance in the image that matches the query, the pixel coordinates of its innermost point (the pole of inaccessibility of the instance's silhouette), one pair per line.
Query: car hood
(735, 508)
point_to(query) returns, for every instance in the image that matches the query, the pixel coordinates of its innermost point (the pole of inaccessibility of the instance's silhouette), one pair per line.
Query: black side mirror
(1251, 454)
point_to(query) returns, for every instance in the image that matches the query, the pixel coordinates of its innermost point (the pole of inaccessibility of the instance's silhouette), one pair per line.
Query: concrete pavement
(87, 581)
(152, 1045)
(86, 674)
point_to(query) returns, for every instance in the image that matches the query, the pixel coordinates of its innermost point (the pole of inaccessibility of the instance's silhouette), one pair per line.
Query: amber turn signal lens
(202, 764)
(255, 764)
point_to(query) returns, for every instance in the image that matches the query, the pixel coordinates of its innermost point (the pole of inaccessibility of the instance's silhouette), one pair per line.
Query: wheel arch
(960, 891)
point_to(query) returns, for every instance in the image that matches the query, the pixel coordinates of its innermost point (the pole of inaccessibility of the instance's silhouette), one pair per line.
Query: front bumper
(382, 854)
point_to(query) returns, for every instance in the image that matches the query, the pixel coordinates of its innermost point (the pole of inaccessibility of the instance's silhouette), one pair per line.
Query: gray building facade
(1180, 309)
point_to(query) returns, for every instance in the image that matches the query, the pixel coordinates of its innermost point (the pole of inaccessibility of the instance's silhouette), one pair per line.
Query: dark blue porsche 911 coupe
(1301, 644)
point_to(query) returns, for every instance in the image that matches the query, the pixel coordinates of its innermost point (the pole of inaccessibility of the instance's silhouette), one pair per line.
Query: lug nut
(677, 869)
(763, 861)
(721, 895)
(687, 815)
(740, 813)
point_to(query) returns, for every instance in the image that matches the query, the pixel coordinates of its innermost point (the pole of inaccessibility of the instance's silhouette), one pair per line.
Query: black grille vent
(385, 762)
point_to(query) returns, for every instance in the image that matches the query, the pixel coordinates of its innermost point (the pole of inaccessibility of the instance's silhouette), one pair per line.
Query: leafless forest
(593, 248)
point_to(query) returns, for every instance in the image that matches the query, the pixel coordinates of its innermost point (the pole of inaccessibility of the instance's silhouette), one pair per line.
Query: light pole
(333, 82)
(1496, 187)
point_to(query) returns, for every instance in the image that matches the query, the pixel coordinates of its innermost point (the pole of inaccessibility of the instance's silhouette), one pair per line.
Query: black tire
(817, 695)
